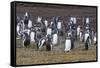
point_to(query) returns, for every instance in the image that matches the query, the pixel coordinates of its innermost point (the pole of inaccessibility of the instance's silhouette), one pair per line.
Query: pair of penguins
(69, 42)
(47, 41)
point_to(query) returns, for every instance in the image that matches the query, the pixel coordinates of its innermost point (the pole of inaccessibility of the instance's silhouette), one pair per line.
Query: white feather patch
(32, 35)
(42, 42)
(95, 39)
(55, 39)
(78, 31)
(29, 24)
(86, 36)
(67, 45)
(59, 25)
(49, 31)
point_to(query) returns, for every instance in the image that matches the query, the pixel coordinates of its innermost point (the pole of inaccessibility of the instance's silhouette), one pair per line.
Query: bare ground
(30, 55)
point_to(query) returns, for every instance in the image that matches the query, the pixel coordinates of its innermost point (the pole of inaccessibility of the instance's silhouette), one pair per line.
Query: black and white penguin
(67, 45)
(49, 43)
(26, 38)
(55, 37)
(87, 40)
(32, 35)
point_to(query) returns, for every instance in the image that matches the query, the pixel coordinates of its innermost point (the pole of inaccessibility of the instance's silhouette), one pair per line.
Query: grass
(30, 55)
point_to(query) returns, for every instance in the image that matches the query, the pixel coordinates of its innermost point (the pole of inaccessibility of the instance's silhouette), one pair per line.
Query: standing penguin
(19, 29)
(87, 40)
(49, 43)
(67, 43)
(32, 35)
(49, 31)
(46, 23)
(29, 24)
(87, 20)
(39, 19)
(74, 22)
(72, 36)
(41, 42)
(26, 38)
(59, 25)
(44, 27)
(55, 38)
(26, 20)
(78, 30)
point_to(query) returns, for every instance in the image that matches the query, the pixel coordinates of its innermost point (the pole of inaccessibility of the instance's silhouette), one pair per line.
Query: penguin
(67, 43)
(32, 35)
(26, 39)
(87, 20)
(59, 25)
(48, 43)
(78, 30)
(55, 38)
(29, 24)
(87, 40)
(49, 31)
(39, 19)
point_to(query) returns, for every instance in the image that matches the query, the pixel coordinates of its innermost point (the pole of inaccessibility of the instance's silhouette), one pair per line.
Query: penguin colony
(48, 34)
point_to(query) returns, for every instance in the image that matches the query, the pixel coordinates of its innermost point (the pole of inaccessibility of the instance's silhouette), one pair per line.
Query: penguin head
(71, 19)
(87, 20)
(39, 19)
(26, 16)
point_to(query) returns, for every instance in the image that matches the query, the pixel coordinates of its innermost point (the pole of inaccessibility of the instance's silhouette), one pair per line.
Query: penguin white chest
(32, 35)
(78, 31)
(29, 24)
(55, 39)
(46, 23)
(95, 39)
(80, 36)
(49, 31)
(18, 28)
(86, 36)
(67, 45)
(41, 43)
(59, 25)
